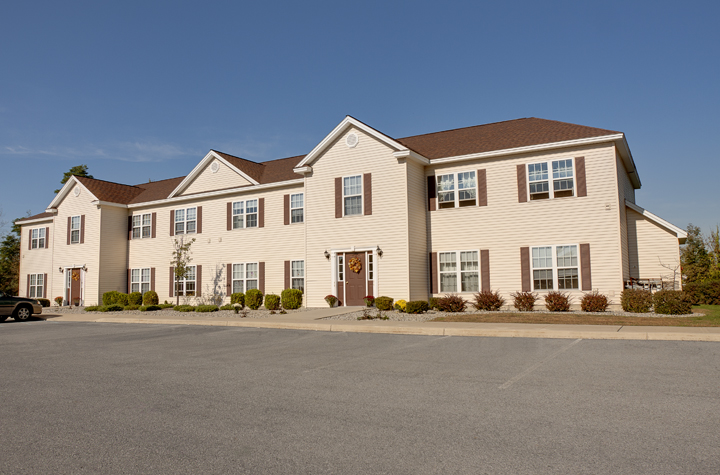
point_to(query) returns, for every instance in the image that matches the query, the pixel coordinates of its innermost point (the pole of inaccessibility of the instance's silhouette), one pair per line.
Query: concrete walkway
(312, 320)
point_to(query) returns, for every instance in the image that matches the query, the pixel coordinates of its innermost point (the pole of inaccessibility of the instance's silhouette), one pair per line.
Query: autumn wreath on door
(355, 265)
(75, 275)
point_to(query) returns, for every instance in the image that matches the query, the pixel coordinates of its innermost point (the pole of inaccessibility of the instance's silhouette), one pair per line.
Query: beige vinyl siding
(417, 231)
(224, 178)
(36, 261)
(113, 249)
(77, 255)
(504, 226)
(216, 246)
(387, 226)
(650, 246)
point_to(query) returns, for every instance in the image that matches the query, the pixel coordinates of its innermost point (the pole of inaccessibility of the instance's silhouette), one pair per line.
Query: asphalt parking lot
(167, 399)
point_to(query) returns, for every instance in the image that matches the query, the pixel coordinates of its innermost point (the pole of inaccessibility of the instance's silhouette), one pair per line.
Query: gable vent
(351, 140)
(214, 167)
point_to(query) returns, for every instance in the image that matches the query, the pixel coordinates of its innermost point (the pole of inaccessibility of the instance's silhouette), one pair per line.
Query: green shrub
(111, 308)
(703, 293)
(238, 297)
(272, 302)
(384, 303)
(184, 308)
(206, 308)
(524, 301)
(433, 303)
(594, 302)
(43, 302)
(452, 303)
(291, 298)
(488, 300)
(557, 301)
(93, 308)
(672, 302)
(331, 300)
(253, 299)
(227, 307)
(400, 305)
(416, 306)
(149, 308)
(636, 300)
(166, 305)
(150, 298)
(135, 298)
(114, 297)
(131, 307)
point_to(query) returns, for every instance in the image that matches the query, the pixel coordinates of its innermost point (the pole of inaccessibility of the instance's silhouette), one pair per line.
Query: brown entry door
(74, 285)
(355, 281)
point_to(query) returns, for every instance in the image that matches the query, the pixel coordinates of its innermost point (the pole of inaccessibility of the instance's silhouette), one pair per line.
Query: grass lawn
(707, 316)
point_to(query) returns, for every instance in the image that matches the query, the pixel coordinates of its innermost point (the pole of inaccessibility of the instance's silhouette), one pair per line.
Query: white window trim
(142, 216)
(35, 241)
(245, 214)
(141, 281)
(296, 208)
(78, 229)
(244, 277)
(184, 282)
(555, 268)
(297, 278)
(456, 190)
(362, 195)
(37, 287)
(458, 271)
(184, 221)
(551, 189)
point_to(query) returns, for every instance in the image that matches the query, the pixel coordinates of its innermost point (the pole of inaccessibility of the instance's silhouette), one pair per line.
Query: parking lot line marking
(532, 368)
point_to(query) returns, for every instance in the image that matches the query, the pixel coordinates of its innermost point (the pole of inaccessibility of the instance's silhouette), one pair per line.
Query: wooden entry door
(355, 282)
(74, 290)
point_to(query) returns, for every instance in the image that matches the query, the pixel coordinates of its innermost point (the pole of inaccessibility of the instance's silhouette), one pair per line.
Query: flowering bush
(369, 300)
(58, 301)
(331, 300)
(400, 305)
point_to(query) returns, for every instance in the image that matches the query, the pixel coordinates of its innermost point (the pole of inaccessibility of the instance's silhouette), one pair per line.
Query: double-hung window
(142, 225)
(464, 195)
(245, 214)
(185, 221)
(352, 195)
(244, 277)
(563, 183)
(37, 240)
(186, 286)
(297, 208)
(36, 286)
(297, 275)
(140, 280)
(75, 230)
(465, 271)
(555, 267)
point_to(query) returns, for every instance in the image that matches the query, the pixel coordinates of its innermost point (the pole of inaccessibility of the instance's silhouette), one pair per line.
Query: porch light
(327, 254)
(379, 251)
(61, 270)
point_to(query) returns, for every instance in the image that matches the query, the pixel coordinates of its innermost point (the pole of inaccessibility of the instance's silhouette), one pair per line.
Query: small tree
(78, 170)
(694, 257)
(180, 261)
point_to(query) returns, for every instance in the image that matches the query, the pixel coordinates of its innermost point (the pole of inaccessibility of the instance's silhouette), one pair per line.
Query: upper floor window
(245, 214)
(352, 195)
(465, 194)
(555, 267)
(75, 230)
(37, 240)
(563, 183)
(244, 277)
(298, 275)
(297, 208)
(140, 280)
(37, 282)
(464, 271)
(142, 225)
(185, 221)
(186, 286)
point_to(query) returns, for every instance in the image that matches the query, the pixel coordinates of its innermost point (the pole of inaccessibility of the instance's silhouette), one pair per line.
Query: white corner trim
(209, 194)
(339, 129)
(211, 155)
(66, 189)
(412, 156)
(681, 234)
(302, 170)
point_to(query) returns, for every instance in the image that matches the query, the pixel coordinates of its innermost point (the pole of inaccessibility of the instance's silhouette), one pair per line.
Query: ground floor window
(140, 280)
(244, 277)
(186, 286)
(555, 267)
(298, 275)
(37, 282)
(459, 267)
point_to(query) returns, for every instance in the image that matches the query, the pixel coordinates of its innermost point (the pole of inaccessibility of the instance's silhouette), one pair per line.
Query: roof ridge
(105, 181)
(471, 127)
(235, 156)
(155, 181)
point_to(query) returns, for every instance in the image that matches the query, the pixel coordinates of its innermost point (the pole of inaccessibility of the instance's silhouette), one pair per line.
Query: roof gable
(204, 163)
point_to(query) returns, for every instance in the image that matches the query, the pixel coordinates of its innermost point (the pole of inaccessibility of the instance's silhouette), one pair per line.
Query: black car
(19, 308)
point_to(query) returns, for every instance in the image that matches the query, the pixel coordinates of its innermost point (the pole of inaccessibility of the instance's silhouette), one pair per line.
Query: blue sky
(142, 90)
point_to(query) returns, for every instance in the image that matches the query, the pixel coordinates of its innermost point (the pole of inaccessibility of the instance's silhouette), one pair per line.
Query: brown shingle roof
(44, 214)
(156, 190)
(265, 172)
(109, 191)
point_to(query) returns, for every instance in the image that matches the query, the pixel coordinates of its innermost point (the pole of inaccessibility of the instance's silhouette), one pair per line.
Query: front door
(74, 290)
(355, 280)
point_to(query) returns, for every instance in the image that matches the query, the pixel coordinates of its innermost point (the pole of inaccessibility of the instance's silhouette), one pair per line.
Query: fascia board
(65, 190)
(412, 156)
(37, 220)
(209, 194)
(628, 161)
(339, 129)
(302, 170)
(681, 234)
(201, 166)
(108, 203)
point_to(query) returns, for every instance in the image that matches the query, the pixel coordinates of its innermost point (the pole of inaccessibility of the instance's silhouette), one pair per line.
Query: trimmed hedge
(636, 300)
(227, 307)
(488, 300)
(238, 297)
(184, 308)
(433, 303)
(92, 308)
(291, 298)
(384, 303)
(111, 308)
(131, 307)
(253, 299)
(556, 301)
(452, 303)
(206, 308)
(524, 301)
(703, 293)
(165, 305)
(416, 306)
(672, 302)
(594, 302)
(272, 302)
(135, 298)
(114, 297)
(150, 298)
(150, 308)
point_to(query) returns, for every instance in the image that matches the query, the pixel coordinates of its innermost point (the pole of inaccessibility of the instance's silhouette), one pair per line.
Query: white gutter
(681, 234)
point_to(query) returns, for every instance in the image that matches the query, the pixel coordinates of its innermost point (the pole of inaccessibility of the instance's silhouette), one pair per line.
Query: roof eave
(679, 232)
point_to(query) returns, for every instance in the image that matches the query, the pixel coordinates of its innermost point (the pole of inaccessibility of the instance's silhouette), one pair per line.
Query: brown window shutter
(154, 226)
(482, 187)
(522, 186)
(172, 282)
(198, 280)
(44, 291)
(229, 216)
(525, 269)
(367, 192)
(172, 225)
(198, 226)
(585, 273)
(129, 280)
(82, 229)
(485, 269)
(130, 228)
(580, 174)
(287, 274)
(432, 193)
(68, 229)
(228, 279)
(30, 240)
(152, 279)
(47, 238)
(286, 209)
(261, 213)
(338, 198)
(261, 276)
(433, 272)
(27, 289)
